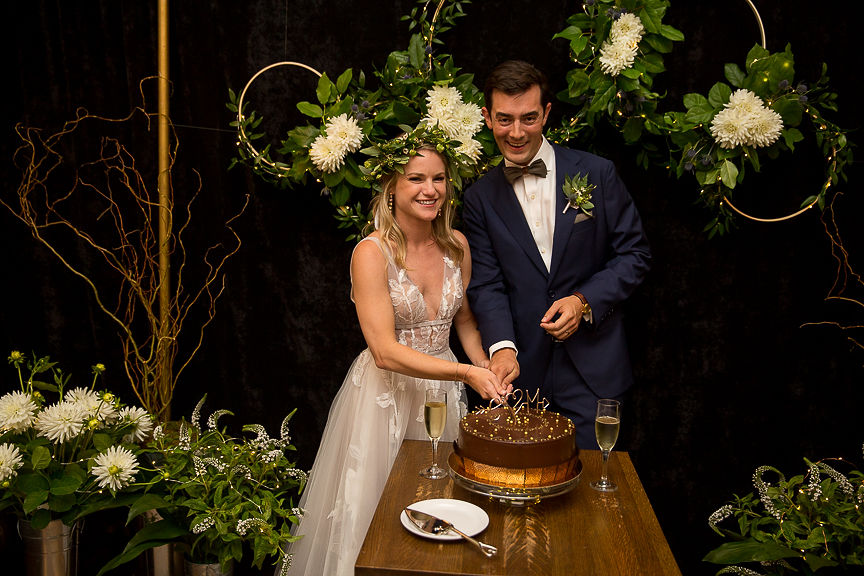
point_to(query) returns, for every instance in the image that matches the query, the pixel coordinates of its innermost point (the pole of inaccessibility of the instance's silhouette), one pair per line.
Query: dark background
(727, 377)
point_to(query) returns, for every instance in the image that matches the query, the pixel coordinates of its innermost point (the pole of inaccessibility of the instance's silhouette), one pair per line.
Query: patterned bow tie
(513, 173)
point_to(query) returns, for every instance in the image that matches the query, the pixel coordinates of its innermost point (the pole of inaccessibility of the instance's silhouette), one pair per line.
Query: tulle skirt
(372, 413)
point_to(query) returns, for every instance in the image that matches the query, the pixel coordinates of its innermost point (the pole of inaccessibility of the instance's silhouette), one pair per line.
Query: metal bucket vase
(193, 569)
(51, 551)
(165, 560)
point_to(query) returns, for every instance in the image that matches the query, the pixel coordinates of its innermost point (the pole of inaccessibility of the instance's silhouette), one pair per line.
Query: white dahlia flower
(115, 468)
(345, 132)
(61, 422)
(619, 51)
(443, 101)
(746, 121)
(326, 154)
(470, 148)
(97, 406)
(627, 29)
(615, 57)
(10, 461)
(140, 421)
(17, 411)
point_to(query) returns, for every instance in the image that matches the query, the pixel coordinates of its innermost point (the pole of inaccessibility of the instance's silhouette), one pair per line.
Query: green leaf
(145, 503)
(671, 33)
(734, 74)
(40, 519)
(693, 100)
(405, 114)
(152, 535)
(570, 33)
(309, 109)
(719, 94)
(41, 458)
(416, 50)
(748, 551)
(66, 484)
(344, 80)
(325, 90)
(62, 502)
(102, 441)
(29, 482)
(577, 82)
(34, 499)
(632, 130)
(728, 174)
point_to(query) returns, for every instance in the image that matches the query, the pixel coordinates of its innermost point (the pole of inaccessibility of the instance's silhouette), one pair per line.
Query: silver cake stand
(512, 496)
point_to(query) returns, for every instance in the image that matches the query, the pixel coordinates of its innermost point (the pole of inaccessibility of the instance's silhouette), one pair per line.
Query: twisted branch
(124, 234)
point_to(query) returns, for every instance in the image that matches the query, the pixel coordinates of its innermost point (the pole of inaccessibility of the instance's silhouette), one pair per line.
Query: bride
(408, 279)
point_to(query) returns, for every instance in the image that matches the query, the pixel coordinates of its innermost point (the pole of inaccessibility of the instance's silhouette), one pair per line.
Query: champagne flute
(606, 426)
(435, 415)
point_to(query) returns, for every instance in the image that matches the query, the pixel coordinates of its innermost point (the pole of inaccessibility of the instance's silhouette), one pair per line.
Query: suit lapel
(503, 200)
(563, 220)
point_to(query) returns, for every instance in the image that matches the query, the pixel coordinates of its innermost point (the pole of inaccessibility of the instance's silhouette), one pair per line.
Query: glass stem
(604, 474)
(434, 452)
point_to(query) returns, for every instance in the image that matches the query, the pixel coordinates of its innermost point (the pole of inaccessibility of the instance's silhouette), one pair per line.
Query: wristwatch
(586, 308)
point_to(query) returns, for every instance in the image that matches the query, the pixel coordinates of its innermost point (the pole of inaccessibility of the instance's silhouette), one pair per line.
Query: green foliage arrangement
(374, 112)
(218, 494)
(71, 457)
(616, 61)
(808, 523)
(720, 159)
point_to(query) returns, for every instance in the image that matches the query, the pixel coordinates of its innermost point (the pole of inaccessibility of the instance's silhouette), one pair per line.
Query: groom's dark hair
(515, 77)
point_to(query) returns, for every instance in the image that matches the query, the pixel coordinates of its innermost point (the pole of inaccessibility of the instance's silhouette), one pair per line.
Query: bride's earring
(390, 201)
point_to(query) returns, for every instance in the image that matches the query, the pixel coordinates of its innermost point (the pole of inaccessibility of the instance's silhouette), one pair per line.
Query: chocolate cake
(516, 448)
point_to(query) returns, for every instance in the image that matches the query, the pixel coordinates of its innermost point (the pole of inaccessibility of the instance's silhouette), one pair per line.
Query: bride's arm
(377, 321)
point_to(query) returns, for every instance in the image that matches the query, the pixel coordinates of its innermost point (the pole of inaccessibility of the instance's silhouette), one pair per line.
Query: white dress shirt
(536, 195)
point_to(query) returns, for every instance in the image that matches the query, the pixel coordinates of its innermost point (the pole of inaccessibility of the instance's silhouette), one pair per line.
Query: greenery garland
(617, 47)
(682, 141)
(382, 113)
(769, 76)
(625, 98)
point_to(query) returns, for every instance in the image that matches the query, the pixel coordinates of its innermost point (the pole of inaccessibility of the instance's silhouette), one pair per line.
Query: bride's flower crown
(449, 126)
(392, 155)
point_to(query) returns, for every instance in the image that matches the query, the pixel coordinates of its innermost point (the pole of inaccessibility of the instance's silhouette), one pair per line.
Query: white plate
(463, 515)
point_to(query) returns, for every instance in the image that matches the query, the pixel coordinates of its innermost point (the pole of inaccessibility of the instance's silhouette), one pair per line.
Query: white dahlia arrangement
(619, 51)
(342, 136)
(69, 457)
(746, 121)
(458, 119)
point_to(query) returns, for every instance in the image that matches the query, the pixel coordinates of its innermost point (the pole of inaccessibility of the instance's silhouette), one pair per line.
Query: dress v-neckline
(441, 295)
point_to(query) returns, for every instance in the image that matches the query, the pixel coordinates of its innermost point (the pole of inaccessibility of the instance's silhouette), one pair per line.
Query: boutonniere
(578, 193)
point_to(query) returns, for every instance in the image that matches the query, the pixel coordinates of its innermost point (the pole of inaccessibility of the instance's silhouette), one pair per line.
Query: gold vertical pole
(163, 376)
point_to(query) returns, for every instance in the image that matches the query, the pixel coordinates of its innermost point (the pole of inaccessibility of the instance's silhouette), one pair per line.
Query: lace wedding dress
(372, 413)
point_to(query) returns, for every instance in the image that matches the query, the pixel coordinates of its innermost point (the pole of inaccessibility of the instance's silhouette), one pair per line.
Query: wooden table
(583, 531)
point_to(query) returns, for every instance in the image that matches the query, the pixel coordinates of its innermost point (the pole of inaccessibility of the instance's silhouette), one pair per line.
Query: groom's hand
(563, 317)
(505, 366)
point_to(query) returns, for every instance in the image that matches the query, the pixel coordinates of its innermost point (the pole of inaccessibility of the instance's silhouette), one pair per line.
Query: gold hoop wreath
(619, 93)
(243, 138)
(807, 205)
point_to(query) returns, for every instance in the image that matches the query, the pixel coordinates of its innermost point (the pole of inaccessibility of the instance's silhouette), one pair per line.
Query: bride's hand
(485, 383)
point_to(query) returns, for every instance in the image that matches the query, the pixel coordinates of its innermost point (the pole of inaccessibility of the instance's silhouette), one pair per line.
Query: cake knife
(434, 525)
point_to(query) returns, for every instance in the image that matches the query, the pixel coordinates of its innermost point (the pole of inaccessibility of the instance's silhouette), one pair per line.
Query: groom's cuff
(500, 345)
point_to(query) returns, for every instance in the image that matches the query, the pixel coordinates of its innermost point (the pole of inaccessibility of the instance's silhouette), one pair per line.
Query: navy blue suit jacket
(604, 258)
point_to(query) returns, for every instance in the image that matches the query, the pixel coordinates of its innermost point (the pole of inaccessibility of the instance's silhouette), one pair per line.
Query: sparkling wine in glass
(435, 416)
(606, 426)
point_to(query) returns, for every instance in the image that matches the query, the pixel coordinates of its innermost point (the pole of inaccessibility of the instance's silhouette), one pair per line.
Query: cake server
(434, 525)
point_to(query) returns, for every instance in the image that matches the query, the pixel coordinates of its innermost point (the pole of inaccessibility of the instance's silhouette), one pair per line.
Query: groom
(548, 280)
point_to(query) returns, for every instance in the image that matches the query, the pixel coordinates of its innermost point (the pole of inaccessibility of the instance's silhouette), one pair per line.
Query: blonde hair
(442, 227)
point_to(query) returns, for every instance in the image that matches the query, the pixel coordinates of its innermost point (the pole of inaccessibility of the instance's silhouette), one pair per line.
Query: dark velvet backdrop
(727, 378)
